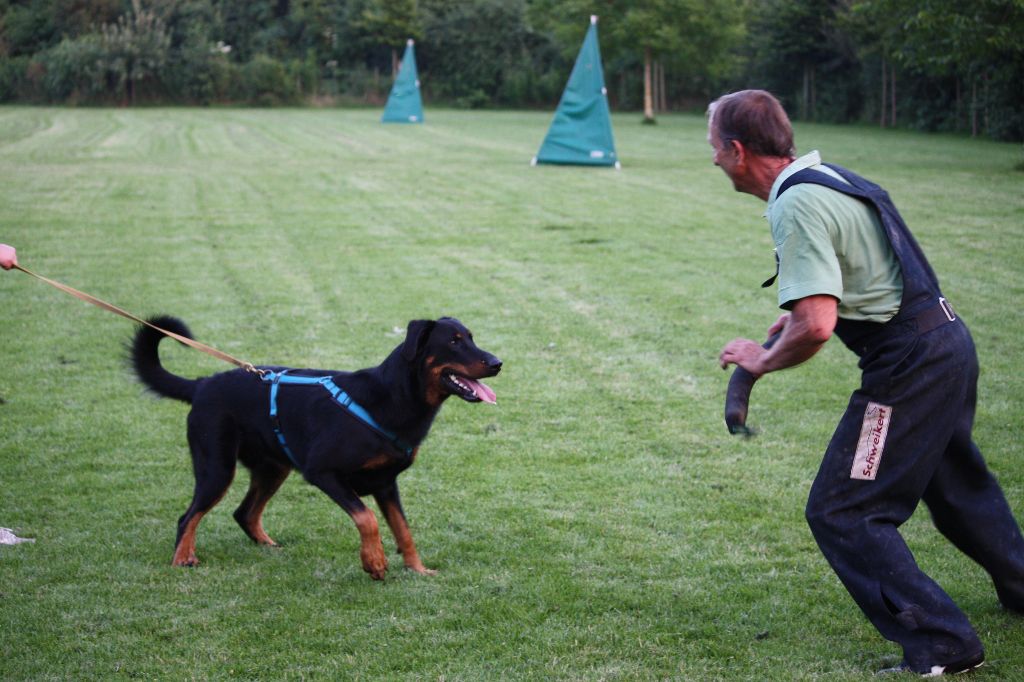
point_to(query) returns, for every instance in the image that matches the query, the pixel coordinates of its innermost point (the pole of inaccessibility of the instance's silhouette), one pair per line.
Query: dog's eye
(455, 340)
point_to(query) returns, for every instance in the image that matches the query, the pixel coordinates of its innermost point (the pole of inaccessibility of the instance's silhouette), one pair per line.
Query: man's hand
(804, 332)
(745, 353)
(779, 325)
(8, 257)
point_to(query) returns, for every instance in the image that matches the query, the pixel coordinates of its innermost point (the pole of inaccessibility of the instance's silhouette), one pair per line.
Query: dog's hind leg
(264, 482)
(185, 547)
(213, 463)
(391, 506)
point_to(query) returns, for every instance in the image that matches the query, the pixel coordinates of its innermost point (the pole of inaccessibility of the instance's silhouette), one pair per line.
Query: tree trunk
(814, 93)
(987, 99)
(884, 95)
(395, 64)
(806, 96)
(661, 87)
(959, 106)
(655, 93)
(648, 101)
(128, 96)
(892, 97)
(974, 108)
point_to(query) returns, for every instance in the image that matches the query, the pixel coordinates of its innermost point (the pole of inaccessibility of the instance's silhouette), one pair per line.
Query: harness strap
(275, 379)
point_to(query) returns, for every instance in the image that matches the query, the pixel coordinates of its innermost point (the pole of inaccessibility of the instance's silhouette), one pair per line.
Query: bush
(73, 71)
(475, 99)
(198, 75)
(524, 85)
(12, 78)
(360, 84)
(306, 74)
(265, 82)
(1005, 103)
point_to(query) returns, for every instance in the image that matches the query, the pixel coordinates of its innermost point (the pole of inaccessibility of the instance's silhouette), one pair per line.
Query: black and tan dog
(349, 433)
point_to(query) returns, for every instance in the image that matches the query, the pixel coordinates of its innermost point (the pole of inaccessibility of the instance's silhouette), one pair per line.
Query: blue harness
(275, 379)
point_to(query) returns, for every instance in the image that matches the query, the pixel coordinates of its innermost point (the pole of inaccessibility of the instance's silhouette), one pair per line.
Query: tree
(977, 43)
(482, 52)
(692, 36)
(388, 22)
(136, 48)
(27, 28)
(244, 24)
(77, 18)
(799, 48)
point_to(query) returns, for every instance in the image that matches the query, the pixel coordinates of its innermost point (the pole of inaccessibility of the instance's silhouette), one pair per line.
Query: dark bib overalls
(906, 436)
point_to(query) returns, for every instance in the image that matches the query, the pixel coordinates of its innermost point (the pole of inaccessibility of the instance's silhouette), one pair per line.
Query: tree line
(928, 64)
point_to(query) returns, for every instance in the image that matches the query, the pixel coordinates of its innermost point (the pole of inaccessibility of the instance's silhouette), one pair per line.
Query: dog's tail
(146, 360)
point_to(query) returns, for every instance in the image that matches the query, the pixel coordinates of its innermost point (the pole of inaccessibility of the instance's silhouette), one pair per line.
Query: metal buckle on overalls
(947, 308)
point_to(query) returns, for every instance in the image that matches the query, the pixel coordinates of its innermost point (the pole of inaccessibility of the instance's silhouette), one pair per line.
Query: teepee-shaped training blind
(404, 103)
(581, 132)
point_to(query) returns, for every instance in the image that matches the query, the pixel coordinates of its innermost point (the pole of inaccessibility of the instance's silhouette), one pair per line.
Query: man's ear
(739, 150)
(415, 336)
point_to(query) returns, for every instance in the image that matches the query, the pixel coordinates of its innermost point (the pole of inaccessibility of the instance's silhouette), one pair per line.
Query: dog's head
(450, 362)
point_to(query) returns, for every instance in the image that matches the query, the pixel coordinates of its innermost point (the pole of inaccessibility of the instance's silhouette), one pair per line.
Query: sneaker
(964, 665)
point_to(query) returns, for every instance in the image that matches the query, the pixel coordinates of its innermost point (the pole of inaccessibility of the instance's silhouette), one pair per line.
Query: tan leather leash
(209, 350)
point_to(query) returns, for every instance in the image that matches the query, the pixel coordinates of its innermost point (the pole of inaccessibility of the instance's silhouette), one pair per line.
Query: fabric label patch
(872, 441)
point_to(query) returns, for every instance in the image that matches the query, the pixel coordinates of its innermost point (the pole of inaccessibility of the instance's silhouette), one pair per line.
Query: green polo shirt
(830, 243)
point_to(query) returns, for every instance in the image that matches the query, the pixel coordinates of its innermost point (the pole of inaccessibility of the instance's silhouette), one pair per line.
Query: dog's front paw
(416, 565)
(374, 562)
(423, 570)
(184, 555)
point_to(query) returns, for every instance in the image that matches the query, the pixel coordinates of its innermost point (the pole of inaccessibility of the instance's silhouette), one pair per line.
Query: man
(8, 257)
(847, 264)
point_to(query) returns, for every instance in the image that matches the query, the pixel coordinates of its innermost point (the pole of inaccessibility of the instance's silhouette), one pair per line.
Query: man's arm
(804, 332)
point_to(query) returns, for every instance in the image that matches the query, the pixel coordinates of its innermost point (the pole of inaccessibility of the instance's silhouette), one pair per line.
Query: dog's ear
(415, 337)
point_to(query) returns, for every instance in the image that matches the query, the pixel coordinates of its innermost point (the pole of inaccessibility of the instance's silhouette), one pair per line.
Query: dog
(275, 420)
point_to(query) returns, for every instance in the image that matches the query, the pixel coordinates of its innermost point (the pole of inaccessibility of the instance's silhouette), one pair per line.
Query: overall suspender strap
(922, 303)
(275, 379)
(903, 243)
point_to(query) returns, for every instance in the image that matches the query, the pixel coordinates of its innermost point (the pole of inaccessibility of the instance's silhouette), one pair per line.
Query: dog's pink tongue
(482, 391)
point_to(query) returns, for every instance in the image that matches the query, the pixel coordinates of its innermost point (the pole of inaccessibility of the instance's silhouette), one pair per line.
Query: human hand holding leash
(8, 256)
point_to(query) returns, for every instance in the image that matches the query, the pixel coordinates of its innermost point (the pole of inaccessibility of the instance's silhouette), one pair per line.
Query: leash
(274, 379)
(268, 377)
(209, 350)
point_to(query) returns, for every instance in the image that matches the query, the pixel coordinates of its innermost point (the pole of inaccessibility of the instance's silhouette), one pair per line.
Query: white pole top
(593, 18)
(410, 41)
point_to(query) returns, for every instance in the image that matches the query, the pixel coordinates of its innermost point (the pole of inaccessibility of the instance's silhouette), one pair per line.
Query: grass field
(599, 523)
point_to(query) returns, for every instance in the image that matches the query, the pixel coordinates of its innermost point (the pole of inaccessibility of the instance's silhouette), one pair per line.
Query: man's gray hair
(754, 118)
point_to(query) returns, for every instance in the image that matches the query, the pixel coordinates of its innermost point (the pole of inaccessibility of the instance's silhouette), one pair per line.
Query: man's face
(732, 158)
(726, 157)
